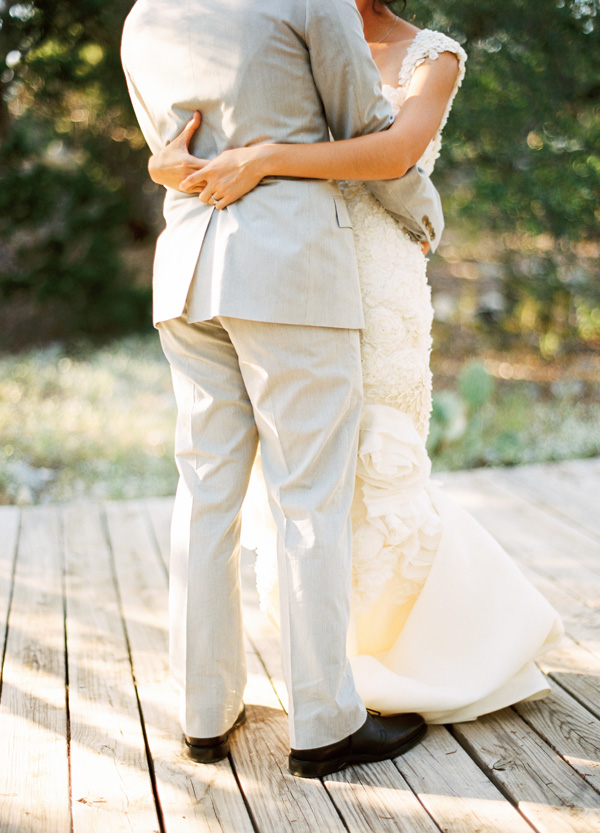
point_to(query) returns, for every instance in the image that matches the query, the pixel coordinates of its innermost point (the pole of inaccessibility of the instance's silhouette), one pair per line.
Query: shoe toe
(408, 722)
(386, 734)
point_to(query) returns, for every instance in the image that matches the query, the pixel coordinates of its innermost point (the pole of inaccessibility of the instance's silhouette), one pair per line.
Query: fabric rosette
(392, 461)
(398, 529)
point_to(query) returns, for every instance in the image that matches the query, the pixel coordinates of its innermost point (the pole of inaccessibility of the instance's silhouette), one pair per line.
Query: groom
(258, 309)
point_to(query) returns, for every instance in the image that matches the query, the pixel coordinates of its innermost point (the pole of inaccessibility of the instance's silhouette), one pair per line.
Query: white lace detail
(396, 530)
(427, 45)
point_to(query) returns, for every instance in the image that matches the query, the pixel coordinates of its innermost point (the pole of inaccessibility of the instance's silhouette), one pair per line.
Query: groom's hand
(174, 162)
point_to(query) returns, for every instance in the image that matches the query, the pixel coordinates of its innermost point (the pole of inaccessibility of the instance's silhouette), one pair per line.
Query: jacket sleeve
(350, 88)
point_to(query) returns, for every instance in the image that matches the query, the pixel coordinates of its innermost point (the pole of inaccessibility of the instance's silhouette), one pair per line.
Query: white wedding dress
(442, 621)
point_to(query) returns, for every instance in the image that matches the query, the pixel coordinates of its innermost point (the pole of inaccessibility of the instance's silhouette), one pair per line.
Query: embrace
(295, 141)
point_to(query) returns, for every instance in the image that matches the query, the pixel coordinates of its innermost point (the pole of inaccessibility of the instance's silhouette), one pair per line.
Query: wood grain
(533, 535)
(422, 785)
(569, 489)
(279, 802)
(9, 526)
(531, 767)
(111, 784)
(547, 791)
(192, 797)
(569, 728)
(454, 790)
(34, 776)
(576, 670)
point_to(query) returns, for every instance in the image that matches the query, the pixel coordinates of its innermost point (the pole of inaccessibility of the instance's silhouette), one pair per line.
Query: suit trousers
(296, 389)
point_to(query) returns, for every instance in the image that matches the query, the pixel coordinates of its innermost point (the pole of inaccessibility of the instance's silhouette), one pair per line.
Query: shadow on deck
(89, 717)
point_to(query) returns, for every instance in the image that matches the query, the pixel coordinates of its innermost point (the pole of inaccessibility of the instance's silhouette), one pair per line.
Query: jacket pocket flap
(341, 213)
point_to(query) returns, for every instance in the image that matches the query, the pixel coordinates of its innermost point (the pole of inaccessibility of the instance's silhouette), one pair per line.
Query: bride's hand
(229, 176)
(174, 162)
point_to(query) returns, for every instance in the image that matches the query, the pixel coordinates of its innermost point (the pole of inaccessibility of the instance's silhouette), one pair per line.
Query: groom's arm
(350, 88)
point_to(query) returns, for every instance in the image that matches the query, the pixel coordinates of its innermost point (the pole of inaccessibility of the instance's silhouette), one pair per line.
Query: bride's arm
(384, 155)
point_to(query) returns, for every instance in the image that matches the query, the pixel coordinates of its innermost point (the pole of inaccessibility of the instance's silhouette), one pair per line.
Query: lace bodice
(426, 45)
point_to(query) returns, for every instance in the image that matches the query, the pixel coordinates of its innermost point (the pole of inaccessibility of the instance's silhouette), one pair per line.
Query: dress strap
(429, 44)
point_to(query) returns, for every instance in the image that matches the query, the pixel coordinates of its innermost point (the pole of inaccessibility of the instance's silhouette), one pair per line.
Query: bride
(442, 622)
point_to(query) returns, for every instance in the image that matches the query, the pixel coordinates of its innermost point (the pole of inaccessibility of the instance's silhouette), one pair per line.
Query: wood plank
(34, 777)
(279, 802)
(581, 624)
(454, 790)
(569, 728)
(111, 785)
(193, 797)
(532, 535)
(9, 524)
(160, 511)
(567, 489)
(549, 560)
(551, 796)
(577, 671)
(376, 797)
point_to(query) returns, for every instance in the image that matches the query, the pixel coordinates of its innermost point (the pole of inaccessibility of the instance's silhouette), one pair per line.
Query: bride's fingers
(207, 194)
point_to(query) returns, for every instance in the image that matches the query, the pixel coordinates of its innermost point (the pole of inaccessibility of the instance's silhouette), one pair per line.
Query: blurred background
(85, 399)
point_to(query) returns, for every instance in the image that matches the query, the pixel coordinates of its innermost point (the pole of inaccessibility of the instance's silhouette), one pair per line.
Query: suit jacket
(263, 71)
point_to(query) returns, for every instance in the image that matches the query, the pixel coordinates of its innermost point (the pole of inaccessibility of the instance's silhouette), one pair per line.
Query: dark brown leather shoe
(210, 750)
(378, 739)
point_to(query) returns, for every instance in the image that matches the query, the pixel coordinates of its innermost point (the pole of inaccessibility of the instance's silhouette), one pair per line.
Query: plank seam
(10, 599)
(582, 644)
(553, 747)
(63, 587)
(543, 502)
(415, 793)
(545, 508)
(151, 772)
(589, 707)
(337, 809)
(488, 772)
(253, 821)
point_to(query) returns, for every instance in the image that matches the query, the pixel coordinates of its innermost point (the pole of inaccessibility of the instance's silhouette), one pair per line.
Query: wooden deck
(89, 733)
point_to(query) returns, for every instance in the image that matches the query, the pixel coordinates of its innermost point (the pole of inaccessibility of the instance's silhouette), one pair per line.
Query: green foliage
(87, 421)
(455, 415)
(72, 167)
(481, 424)
(520, 426)
(521, 159)
(475, 385)
(524, 137)
(100, 422)
(522, 155)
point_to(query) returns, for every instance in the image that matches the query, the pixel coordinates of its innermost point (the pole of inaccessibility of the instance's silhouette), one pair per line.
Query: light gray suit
(265, 344)
(286, 71)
